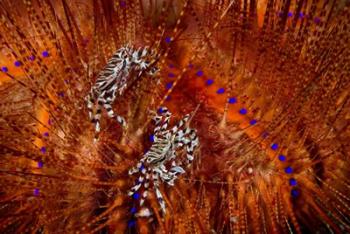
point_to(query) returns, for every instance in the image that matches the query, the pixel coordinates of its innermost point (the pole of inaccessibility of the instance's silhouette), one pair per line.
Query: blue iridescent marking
(43, 150)
(133, 210)
(169, 85)
(288, 170)
(131, 223)
(171, 75)
(136, 196)
(46, 134)
(36, 192)
(232, 100)
(220, 91)
(40, 164)
(4, 69)
(199, 73)
(243, 111)
(282, 158)
(292, 182)
(151, 138)
(294, 193)
(168, 39)
(17, 63)
(122, 3)
(274, 146)
(209, 82)
(253, 122)
(45, 53)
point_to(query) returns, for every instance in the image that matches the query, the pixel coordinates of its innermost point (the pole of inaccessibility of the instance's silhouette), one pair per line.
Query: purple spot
(40, 164)
(282, 158)
(160, 110)
(171, 75)
(32, 58)
(301, 15)
(151, 138)
(232, 100)
(45, 54)
(133, 210)
(220, 91)
(46, 134)
(122, 3)
(18, 63)
(131, 223)
(199, 73)
(288, 170)
(317, 20)
(243, 111)
(168, 39)
(253, 122)
(290, 14)
(36, 192)
(295, 193)
(136, 196)
(61, 94)
(292, 182)
(209, 82)
(4, 69)
(43, 150)
(169, 85)
(274, 146)
(167, 98)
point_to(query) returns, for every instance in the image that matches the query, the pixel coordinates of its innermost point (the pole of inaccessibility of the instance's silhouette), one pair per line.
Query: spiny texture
(267, 82)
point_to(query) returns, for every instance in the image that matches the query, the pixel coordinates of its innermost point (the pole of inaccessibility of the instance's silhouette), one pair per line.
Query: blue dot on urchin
(169, 85)
(136, 196)
(151, 138)
(171, 75)
(282, 158)
(4, 69)
(295, 193)
(243, 111)
(133, 210)
(17, 63)
(288, 170)
(131, 223)
(209, 82)
(36, 192)
(220, 91)
(292, 182)
(253, 122)
(40, 164)
(200, 73)
(274, 146)
(45, 53)
(168, 39)
(232, 100)
(43, 150)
